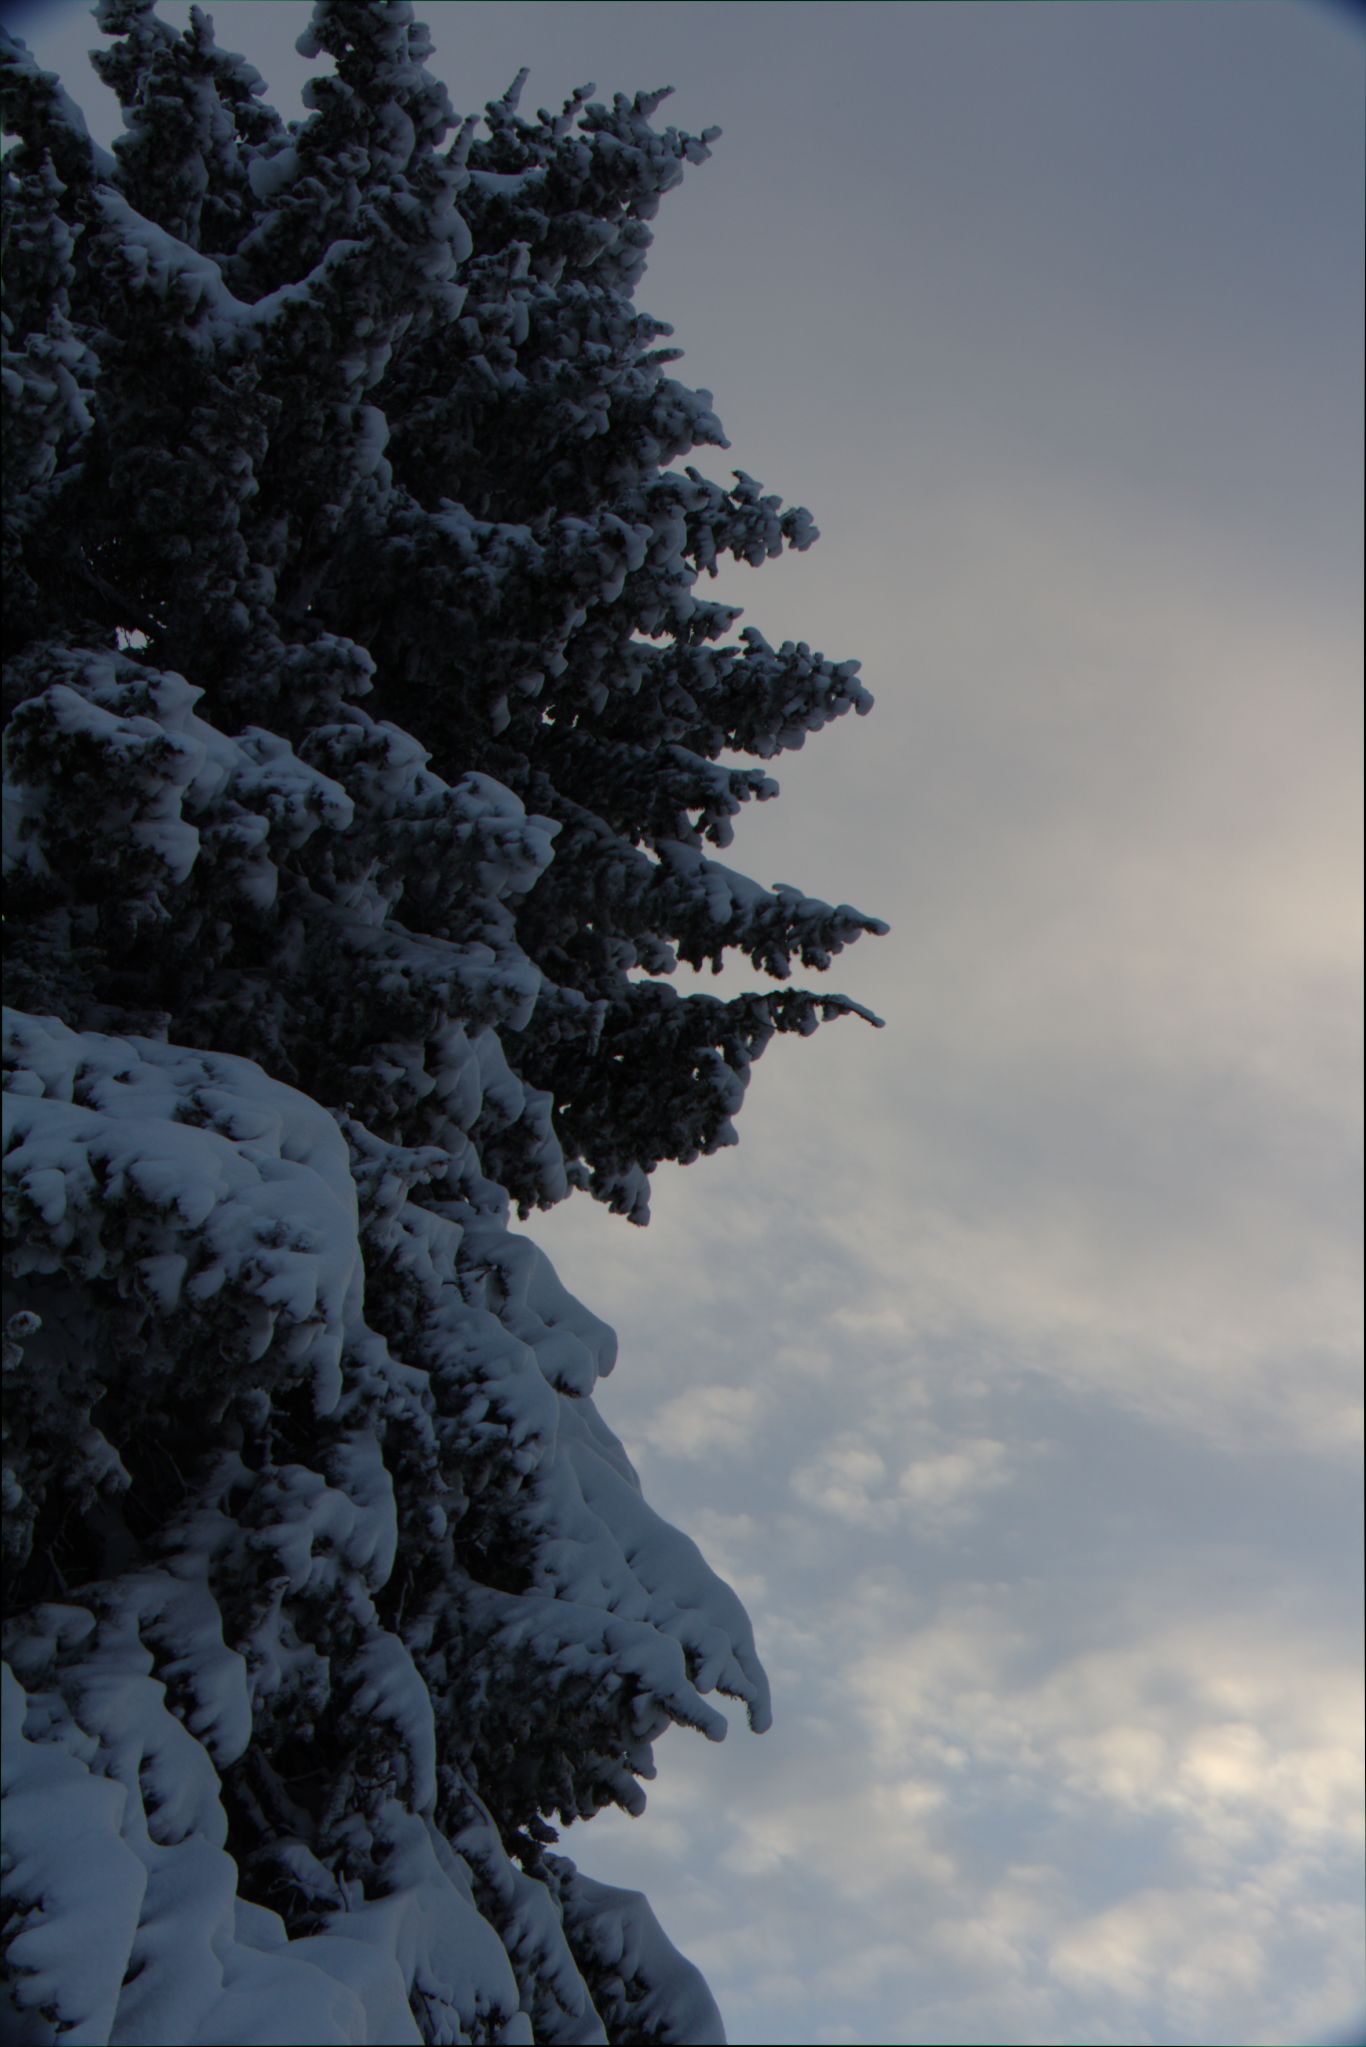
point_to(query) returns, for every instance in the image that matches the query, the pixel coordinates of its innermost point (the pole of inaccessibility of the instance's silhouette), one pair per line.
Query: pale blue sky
(1011, 1363)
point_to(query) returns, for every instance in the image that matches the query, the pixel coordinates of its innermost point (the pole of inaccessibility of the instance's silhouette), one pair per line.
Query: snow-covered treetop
(405, 436)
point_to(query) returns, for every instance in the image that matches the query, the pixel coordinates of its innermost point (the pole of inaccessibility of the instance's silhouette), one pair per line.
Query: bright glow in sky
(1010, 1366)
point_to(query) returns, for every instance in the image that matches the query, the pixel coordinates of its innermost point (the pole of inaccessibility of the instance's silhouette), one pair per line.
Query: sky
(1010, 1365)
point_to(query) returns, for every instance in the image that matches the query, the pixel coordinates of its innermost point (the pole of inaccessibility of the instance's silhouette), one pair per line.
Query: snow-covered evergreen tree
(364, 740)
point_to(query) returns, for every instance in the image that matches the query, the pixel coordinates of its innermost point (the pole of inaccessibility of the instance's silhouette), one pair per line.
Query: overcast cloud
(1011, 1364)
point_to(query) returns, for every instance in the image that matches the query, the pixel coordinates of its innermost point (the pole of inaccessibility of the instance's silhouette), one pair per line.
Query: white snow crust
(124, 1708)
